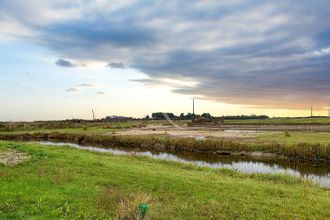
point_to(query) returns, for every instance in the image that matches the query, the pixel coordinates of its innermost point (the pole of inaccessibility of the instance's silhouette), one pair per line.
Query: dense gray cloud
(87, 85)
(72, 89)
(64, 63)
(116, 65)
(258, 53)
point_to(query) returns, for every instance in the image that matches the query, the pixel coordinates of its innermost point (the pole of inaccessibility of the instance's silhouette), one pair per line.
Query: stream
(316, 172)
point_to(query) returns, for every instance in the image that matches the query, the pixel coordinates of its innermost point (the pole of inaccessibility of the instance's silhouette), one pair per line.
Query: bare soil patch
(195, 132)
(12, 157)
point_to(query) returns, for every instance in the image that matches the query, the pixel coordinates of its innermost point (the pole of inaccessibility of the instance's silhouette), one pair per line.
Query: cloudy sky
(60, 59)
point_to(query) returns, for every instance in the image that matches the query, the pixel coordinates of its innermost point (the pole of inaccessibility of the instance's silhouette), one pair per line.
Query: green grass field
(72, 127)
(69, 127)
(295, 137)
(279, 121)
(90, 130)
(65, 183)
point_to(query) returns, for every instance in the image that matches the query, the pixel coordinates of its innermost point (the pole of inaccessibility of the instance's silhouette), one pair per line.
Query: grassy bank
(72, 126)
(67, 183)
(297, 150)
(280, 121)
(294, 137)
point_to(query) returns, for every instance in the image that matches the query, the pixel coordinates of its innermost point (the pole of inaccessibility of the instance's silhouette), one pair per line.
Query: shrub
(287, 134)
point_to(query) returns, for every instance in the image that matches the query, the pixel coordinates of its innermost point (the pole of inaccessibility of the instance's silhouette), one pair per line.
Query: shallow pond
(317, 172)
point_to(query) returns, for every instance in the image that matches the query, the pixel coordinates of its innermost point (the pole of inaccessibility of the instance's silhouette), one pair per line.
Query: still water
(317, 172)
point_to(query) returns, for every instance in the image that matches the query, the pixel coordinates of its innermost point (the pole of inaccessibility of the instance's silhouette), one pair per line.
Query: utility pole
(193, 106)
(328, 110)
(93, 114)
(311, 111)
(193, 109)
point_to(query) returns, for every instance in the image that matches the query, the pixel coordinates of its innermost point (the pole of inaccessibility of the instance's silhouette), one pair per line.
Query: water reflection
(317, 172)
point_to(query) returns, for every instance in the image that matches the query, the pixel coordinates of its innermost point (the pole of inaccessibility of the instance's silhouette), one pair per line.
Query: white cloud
(12, 30)
(80, 87)
(321, 52)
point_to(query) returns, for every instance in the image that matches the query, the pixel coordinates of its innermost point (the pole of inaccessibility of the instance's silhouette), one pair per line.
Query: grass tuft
(287, 134)
(128, 206)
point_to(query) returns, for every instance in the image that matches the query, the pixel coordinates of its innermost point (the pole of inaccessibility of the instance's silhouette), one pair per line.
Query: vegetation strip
(300, 151)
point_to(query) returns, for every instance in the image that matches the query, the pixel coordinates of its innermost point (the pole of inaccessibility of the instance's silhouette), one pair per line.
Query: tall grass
(128, 207)
(69, 124)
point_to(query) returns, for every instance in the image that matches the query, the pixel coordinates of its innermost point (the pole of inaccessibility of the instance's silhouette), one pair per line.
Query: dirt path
(12, 157)
(195, 132)
(222, 131)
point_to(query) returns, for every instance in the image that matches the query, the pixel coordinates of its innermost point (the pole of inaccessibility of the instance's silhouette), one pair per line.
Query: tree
(160, 115)
(206, 115)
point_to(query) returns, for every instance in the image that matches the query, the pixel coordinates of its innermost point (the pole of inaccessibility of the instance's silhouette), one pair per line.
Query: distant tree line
(182, 116)
(242, 117)
(189, 116)
(117, 118)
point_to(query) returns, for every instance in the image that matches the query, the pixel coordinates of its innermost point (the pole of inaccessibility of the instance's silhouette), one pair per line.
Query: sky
(60, 59)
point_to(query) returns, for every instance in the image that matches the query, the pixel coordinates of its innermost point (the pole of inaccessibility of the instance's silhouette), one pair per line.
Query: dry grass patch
(12, 157)
(129, 207)
(124, 206)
